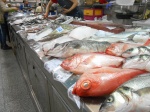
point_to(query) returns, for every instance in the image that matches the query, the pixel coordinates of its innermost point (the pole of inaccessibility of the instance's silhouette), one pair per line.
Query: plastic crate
(90, 14)
(91, 17)
(93, 12)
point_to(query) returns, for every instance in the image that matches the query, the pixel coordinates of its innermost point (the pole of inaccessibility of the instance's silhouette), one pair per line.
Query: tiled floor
(14, 95)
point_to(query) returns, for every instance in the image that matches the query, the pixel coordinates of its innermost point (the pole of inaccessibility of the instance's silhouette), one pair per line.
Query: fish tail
(147, 42)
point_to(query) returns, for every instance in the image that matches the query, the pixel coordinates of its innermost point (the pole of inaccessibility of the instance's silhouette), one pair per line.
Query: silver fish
(70, 48)
(133, 96)
(136, 51)
(64, 30)
(141, 62)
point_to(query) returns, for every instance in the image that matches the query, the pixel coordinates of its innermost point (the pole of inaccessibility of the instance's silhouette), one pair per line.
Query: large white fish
(71, 48)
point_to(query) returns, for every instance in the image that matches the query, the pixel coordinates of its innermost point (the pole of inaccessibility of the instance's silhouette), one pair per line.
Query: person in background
(70, 8)
(25, 6)
(3, 23)
(44, 7)
(8, 5)
(39, 9)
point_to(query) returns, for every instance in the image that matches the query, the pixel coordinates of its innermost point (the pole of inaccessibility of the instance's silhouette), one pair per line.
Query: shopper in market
(3, 23)
(70, 8)
(39, 9)
(25, 7)
(44, 7)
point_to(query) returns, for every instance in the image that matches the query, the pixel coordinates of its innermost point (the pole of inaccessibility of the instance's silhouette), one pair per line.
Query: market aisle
(14, 95)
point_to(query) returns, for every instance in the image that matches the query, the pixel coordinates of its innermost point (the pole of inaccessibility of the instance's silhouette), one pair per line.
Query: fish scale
(136, 51)
(141, 62)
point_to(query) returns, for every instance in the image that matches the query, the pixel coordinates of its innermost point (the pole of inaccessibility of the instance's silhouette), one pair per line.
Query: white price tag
(52, 64)
(60, 74)
(60, 29)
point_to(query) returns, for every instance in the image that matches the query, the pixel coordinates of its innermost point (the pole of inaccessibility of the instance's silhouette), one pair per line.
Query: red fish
(80, 63)
(147, 43)
(103, 81)
(117, 49)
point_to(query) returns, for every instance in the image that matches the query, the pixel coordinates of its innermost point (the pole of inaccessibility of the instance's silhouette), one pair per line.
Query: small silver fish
(141, 62)
(70, 48)
(133, 96)
(136, 51)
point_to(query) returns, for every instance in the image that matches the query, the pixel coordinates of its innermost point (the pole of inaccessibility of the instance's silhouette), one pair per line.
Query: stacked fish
(85, 33)
(104, 67)
(108, 63)
(133, 95)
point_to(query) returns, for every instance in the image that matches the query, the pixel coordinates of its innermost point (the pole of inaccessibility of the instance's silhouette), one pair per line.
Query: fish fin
(120, 66)
(114, 66)
(125, 47)
(130, 38)
(147, 42)
(88, 60)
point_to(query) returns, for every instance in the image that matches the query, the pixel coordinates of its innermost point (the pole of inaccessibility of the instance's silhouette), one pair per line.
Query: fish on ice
(132, 96)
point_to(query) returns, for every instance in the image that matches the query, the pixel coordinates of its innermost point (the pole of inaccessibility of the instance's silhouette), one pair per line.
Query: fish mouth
(68, 63)
(65, 66)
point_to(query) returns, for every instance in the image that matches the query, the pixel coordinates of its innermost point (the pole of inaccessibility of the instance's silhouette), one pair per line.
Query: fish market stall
(74, 67)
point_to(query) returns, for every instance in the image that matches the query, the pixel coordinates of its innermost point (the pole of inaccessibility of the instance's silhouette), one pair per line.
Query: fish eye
(56, 45)
(125, 88)
(129, 58)
(129, 49)
(76, 46)
(110, 99)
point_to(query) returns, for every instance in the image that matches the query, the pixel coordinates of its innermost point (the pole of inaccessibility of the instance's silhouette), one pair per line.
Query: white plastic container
(125, 2)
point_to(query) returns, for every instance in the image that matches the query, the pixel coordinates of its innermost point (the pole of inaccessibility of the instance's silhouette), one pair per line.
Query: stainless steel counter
(48, 94)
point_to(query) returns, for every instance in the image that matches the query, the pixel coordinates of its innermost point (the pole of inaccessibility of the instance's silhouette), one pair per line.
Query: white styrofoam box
(125, 2)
